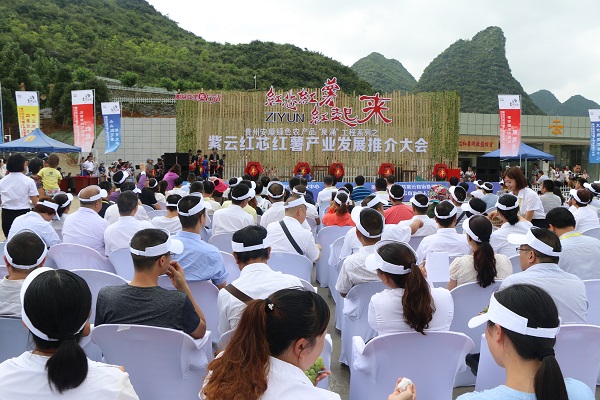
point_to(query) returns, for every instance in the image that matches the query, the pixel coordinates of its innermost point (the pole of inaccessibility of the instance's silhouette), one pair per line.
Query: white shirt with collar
(180, 191)
(386, 314)
(354, 272)
(530, 201)
(430, 227)
(15, 191)
(586, 218)
(230, 219)
(119, 234)
(85, 227)
(34, 222)
(89, 166)
(112, 214)
(303, 237)
(445, 240)
(574, 245)
(258, 281)
(288, 382)
(324, 195)
(498, 239)
(567, 290)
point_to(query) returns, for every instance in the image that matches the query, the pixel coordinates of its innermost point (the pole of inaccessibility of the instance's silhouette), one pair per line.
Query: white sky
(550, 44)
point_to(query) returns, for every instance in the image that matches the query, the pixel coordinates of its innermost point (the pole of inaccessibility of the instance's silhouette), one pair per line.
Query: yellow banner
(28, 111)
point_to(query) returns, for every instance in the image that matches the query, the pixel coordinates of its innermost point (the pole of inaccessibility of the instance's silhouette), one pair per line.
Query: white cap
(467, 208)
(373, 262)
(355, 215)
(250, 194)
(95, 197)
(589, 187)
(295, 203)
(469, 232)
(512, 321)
(376, 200)
(452, 189)
(38, 261)
(506, 208)
(171, 245)
(452, 212)
(271, 194)
(240, 248)
(196, 209)
(573, 193)
(533, 242)
(416, 203)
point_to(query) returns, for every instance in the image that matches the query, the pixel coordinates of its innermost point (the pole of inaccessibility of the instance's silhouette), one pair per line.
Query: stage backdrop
(322, 126)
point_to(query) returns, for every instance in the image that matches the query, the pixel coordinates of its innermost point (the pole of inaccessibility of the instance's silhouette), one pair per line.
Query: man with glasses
(142, 301)
(539, 251)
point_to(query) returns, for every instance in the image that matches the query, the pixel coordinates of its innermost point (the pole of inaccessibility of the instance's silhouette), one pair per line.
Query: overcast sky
(550, 44)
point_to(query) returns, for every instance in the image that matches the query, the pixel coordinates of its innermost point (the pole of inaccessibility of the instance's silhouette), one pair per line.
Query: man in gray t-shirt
(142, 301)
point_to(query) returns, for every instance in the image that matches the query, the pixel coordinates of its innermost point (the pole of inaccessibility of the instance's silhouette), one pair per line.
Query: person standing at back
(16, 190)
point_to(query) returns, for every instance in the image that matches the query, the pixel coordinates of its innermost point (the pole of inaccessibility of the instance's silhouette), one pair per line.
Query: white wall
(141, 138)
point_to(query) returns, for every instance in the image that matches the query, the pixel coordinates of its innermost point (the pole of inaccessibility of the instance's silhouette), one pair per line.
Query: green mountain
(479, 71)
(385, 75)
(131, 41)
(546, 101)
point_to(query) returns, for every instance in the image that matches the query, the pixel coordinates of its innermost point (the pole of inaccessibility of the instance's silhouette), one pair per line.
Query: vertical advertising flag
(83, 119)
(594, 136)
(510, 124)
(28, 111)
(111, 116)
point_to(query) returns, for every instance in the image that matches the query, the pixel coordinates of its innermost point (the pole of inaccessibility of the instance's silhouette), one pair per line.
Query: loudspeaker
(488, 169)
(176, 158)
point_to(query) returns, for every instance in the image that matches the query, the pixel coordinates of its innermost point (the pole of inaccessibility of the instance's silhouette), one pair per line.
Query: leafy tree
(82, 74)
(129, 79)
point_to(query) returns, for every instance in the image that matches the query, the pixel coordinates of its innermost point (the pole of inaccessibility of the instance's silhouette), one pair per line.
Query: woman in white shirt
(508, 212)
(38, 220)
(56, 310)
(410, 304)
(171, 221)
(483, 266)
(16, 190)
(277, 339)
(586, 216)
(64, 206)
(530, 205)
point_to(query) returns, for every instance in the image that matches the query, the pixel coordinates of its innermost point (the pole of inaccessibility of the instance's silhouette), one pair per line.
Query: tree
(129, 79)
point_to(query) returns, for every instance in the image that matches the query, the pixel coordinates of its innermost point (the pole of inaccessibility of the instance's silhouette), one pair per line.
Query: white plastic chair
(3, 271)
(205, 234)
(415, 241)
(162, 205)
(224, 340)
(205, 294)
(307, 285)
(147, 208)
(594, 232)
(431, 361)
(222, 241)
(13, 338)
(292, 264)
(469, 300)
(325, 238)
(162, 363)
(96, 280)
(516, 264)
(157, 213)
(335, 295)
(76, 256)
(230, 266)
(313, 226)
(577, 352)
(2, 245)
(122, 263)
(592, 288)
(355, 320)
(335, 249)
(438, 268)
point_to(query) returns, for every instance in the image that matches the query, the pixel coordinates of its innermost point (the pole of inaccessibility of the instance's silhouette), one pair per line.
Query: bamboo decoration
(244, 118)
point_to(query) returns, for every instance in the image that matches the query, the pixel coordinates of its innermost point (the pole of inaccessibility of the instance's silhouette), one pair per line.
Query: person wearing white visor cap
(401, 232)
(521, 327)
(85, 226)
(251, 250)
(369, 227)
(410, 304)
(142, 301)
(490, 199)
(38, 220)
(539, 251)
(275, 195)
(446, 239)
(586, 216)
(118, 235)
(23, 253)
(234, 217)
(595, 189)
(398, 211)
(56, 309)
(420, 204)
(289, 234)
(512, 222)
(201, 261)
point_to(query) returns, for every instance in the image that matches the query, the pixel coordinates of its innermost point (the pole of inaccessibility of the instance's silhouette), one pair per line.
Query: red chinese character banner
(28, 111)
(510, 124)
(83, 119)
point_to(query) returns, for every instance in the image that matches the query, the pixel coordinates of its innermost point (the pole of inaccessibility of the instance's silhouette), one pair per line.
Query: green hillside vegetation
(124, 38)
(546, 101)
(385, 75)
(577, 106)
(479, 71)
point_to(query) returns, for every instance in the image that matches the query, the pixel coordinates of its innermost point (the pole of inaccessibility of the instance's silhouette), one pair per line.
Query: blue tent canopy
(38, 142)
(525, 153)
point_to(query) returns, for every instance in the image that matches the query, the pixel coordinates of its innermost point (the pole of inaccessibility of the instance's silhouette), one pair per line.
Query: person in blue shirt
(200, 261)
(359, 192)
(522, 324)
